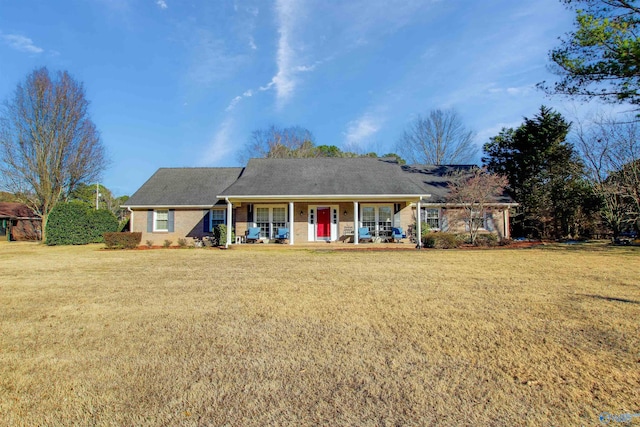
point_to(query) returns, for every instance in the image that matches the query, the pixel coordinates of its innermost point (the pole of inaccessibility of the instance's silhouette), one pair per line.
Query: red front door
(324, 223)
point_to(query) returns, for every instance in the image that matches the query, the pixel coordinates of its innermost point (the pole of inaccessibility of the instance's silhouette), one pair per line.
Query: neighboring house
(317, 199)
(19, 222)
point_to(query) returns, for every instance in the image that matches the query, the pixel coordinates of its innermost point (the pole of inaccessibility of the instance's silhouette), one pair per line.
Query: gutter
(167, 206)
(346, 197)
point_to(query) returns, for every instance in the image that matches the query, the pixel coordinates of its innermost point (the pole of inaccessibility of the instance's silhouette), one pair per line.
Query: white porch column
(505, 221)
(291, 222)
(131, 230)
(418, 224)
(229, 222)
(355, 223)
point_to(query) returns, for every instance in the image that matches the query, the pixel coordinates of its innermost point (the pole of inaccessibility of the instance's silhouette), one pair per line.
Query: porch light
(344, 213)
(301, 213)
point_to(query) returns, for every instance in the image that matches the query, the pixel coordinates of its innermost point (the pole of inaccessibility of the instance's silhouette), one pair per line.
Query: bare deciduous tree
(276, 142)
(438, 139)
(611, 152)
(472, 192)
(48, 142)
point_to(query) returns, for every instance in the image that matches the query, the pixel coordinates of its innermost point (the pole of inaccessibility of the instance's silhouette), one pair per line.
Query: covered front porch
(317, 220)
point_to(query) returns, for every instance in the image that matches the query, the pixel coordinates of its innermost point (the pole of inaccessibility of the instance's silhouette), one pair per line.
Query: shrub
(167, 243)
(429, 241)
(424, 229)
(75, 223)
(182, 243)
(149, 243)
(220, 234)
(102, 221)
(122, 240)
(489, 240)
(441, 241)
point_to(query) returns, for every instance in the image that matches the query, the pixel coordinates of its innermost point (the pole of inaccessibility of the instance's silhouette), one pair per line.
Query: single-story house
(19, 222)
(317, 199)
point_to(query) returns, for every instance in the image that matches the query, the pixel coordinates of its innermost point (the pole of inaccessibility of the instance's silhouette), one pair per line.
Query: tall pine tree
(544, 173)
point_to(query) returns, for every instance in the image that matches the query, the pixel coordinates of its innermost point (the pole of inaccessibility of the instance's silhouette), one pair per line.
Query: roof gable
(434, 179)
(321, 177)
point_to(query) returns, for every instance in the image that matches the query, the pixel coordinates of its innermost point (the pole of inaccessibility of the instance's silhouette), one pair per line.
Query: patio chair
(397, 234)
(253, 235)
(364, 235)
(283, 234)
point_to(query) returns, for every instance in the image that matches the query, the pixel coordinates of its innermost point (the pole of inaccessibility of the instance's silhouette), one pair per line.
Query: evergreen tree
(544, 174)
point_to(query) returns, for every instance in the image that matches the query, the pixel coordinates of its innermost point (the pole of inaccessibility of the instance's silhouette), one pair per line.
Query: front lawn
(258, 336)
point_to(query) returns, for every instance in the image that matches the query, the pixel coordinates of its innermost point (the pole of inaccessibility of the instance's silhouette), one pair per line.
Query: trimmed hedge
(441, 241)
(75, 223)
(122, 240)
(489, 240)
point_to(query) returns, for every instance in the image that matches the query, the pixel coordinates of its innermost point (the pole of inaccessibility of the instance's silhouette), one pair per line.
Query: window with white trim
(278, 219)
(161, 220)
(432, 217)
(369, 218)
(377, 218)
(269, 219)
(384, 218)
(217, 217)
(262, 221)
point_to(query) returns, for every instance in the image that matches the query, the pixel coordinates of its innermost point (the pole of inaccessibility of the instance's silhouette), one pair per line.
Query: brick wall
(188, 224)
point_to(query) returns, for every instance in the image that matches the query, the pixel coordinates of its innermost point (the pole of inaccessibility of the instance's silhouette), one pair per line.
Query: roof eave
(307, 197)
(168, 206)
(458, 205)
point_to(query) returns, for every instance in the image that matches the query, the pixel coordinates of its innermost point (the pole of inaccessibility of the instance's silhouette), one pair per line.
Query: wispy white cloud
(162, 4)
(21, 43)
(284, 80)
(234, 101)
(514, 91)
(220, 146)
(267, 86)
(361, 130)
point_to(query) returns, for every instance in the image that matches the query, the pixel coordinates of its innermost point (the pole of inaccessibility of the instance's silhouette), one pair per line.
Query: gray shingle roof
(434, 179)
(184, 187)
(296, 177)
(323, 176)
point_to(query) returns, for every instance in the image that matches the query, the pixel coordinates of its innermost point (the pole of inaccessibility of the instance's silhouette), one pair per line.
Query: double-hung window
(278, 219)
(262, 221)
(432, 217)
(217, 217)
(369, 218)
(384, 218)
(161, 220)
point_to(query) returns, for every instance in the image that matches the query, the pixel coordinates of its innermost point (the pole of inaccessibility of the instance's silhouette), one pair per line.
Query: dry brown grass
(257, 336)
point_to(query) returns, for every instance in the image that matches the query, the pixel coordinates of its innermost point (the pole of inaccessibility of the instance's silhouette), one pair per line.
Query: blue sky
(184, 83)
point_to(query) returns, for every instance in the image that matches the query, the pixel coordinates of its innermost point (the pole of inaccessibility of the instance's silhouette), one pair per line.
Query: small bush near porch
(308, 337)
